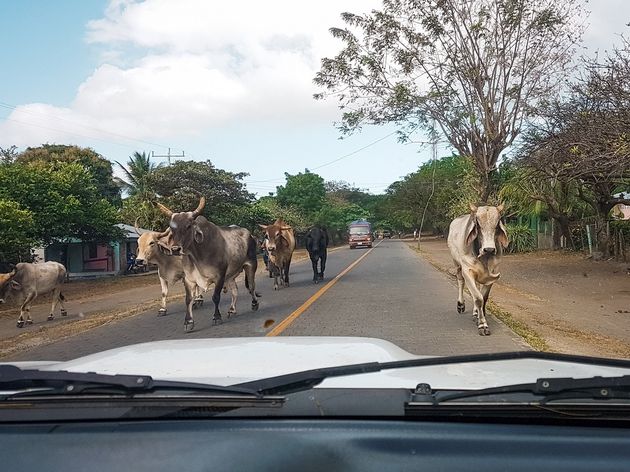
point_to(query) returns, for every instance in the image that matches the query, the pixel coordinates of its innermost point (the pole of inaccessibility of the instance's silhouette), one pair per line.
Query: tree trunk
(563, 224)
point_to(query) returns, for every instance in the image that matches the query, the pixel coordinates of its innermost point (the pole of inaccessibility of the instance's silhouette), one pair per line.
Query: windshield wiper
(305, 380)
(17, 383)
(544, 390)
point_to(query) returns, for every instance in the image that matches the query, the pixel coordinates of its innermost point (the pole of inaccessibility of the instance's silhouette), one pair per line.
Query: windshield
(223, 193)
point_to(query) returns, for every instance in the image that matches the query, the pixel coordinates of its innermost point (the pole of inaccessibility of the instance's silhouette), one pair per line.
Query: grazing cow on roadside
(27, 281)
(476, 242)
(170, 268)
(211, 255)
(316, 245)
(280, 244)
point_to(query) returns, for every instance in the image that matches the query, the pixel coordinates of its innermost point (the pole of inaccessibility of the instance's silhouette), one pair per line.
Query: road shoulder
(556, 302)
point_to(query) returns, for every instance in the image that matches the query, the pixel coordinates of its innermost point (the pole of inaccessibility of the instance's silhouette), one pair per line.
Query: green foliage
(137, 176)
(337, 213)
(95, 164)
(63, 199)
(17, 232)
(451, 181)
(180, 185)
(305, 190)
(148, 215)
(522, 239)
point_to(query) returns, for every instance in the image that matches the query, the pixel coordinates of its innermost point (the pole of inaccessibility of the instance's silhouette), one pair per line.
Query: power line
(355, 152)
(48, 115)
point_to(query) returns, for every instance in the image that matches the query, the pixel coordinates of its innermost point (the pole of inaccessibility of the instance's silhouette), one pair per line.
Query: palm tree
(137, 172)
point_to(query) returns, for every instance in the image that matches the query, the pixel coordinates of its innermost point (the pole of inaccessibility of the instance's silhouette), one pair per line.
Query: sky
(225, 81)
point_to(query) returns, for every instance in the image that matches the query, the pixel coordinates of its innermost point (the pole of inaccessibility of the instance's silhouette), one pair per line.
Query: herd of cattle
(201, 254)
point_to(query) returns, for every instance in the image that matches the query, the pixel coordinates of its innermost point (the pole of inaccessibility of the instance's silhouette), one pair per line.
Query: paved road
(391, 294)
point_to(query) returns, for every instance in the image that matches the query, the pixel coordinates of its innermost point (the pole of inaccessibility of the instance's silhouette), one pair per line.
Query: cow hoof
(275, 287)
(217, 321)
(29, 321)
(255, 306)
(230, 313)
(64, 313)
(315, 281)
(162, 312)
(461, 307)
(483, 331)
(20, 324)
(189, 326)
(51, 317)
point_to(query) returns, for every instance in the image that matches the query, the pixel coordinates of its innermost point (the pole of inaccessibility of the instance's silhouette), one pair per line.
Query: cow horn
(500, 208)
(164, 233)
(286, 228)
(164, 209)
(473, 208)
(135, 225)
(202, 203)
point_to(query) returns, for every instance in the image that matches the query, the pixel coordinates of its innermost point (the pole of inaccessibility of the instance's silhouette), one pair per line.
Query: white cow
(476, 242)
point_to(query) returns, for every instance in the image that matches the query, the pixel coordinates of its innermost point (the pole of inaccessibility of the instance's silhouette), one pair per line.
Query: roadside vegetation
(529, 125)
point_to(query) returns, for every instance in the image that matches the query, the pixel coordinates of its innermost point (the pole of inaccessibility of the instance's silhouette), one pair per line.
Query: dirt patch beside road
(573, 304)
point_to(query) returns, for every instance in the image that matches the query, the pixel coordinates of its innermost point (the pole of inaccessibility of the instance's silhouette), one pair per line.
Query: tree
(443, 187)
(583, 142)
(305, 191)
(476, 68)
(180, 185)
(99, 167)
(137, 176)
(62, 198)
(8, 155)
(17, 232)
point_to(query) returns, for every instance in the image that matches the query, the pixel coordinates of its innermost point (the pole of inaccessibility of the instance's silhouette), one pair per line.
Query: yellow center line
(284, 324)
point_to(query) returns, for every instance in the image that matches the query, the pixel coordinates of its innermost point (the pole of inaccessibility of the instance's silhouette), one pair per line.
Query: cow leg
(61, 300)
(482, 325)
(189, 322)
(250, 283)
(198, 301)
(55, 299)
(275, 271)
(286, 271)
(461, 303)
(322, 262)
(315, 274)
(164, 285)
(216, 299)
(25, 308)
(231, 285)
(485, 292)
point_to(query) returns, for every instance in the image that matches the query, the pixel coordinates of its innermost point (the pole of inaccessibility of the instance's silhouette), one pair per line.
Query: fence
(584, 237)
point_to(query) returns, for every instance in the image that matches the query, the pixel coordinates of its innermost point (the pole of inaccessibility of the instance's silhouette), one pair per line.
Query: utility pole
(168, 156)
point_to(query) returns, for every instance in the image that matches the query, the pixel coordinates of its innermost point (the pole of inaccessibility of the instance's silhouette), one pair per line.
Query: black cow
(316, 245)
(211, 255)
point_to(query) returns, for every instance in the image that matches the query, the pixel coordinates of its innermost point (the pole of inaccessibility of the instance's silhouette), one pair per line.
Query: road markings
(284, 324)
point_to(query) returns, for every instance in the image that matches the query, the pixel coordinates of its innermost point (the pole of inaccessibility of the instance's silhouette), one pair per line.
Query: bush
(522, 239)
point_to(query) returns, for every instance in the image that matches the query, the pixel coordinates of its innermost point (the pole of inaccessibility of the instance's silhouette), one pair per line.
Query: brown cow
(280, 244)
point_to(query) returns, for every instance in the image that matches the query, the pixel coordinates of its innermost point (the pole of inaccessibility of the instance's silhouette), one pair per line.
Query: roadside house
(89, 259)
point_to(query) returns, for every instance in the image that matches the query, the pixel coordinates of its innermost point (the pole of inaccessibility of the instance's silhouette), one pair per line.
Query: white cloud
(173, 69)
(200, 64)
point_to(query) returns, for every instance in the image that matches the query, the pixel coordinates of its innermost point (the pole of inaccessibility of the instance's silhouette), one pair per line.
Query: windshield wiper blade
(546, 389)
(16, 382)
(305, 380)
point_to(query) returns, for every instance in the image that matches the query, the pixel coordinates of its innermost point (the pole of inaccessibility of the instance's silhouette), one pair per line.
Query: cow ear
(502, 235)
(198, 235)
(471, 231)
(263, 226)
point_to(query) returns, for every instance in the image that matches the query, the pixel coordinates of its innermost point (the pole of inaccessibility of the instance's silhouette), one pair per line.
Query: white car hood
(227, 361)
